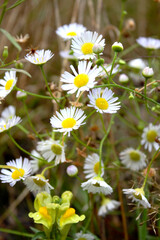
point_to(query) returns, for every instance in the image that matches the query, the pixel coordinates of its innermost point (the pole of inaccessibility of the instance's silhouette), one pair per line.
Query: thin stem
(45, 169)
(89, 115)
(102, 120)
(121, 20)
(33, 94)
(3, 10)
(8, 167)
(101, 145)
(23, 129)
(84, 144)
(16, 232)
(112, 66)
(149, 166)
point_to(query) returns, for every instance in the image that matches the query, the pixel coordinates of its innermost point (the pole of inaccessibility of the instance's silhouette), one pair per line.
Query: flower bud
(147, 72)
(72, 170)
(117, 47)
(97, 48)
(100, 61)
(21, 95)
(123, 78)
(131, 96)
(121, 62)
(5, 52)
(19, 65)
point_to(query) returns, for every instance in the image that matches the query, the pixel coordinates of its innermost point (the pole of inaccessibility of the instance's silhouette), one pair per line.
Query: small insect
(31, 51)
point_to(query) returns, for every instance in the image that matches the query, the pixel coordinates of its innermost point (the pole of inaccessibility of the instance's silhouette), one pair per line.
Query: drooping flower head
(107, 206)
(40, 57)
(83, 45)
(67, 120)
(70, 31)
(82, 80)
(20, 171)
(8, 83)
(91, 166)
(103, 102)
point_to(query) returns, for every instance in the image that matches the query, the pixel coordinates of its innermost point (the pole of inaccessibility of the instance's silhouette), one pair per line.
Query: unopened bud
(5, 52)
(131, 96)
(100, 61)
(121, 62)
(21, 95)
(147, 72)
(19, 65)
(97, 48)
(123, 78)
(72, 171)
(117, 47)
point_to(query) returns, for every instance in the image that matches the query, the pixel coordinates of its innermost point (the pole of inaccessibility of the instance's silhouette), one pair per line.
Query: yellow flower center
(56, 149)
(96, 168)
(9, 84)
(44, 212)
(18, 173)
(70, 212)
(135, 156)
(68, 123)
(151, 135)
(39, 181)
(138, 194)
(4, 127)
(87, 48)
(72, 34)
(101, 103)
(81, 80)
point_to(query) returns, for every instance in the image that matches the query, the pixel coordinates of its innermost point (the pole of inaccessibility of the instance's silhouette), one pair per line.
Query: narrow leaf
(11, 39)
(17, 70)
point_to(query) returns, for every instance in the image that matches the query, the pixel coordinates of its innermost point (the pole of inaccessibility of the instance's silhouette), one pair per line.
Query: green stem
(121, 20)
(3, 10)
(33, 94)
(113, 62)
(101, 145)
(16, 233)
(8, 167)
(149, 166)
(102, 121)
(90, 114)
(44, 170)
(142, 224)
(23, 129)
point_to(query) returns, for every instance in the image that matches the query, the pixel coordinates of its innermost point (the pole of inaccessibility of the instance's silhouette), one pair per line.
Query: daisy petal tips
(67, 120)
(40, 57)
(70, 31)
(81, 81)
(103, 102)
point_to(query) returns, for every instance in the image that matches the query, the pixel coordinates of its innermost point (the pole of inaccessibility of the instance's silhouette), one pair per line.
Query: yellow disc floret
(81, 80)
(17, 174)
(39, 180)
(71, 34)
(87, 48)
(68, 123)
(138, 194)
(102, 104)
(134, 155)
(56, 149)
(96, 168)
(9, 84)
(151, 135)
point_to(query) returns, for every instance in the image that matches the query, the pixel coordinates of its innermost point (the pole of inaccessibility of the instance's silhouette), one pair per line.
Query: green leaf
(17, 70)
(39, 235)
(15, 4)
(11, 39)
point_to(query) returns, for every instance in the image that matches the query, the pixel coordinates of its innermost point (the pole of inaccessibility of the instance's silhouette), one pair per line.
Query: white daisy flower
(37, 184)
(19, 171)
(149, 136)
(115, 70)
(81, 81)
(5, 125)
(137, 195)
(91, 166)
(7, 84)
(97, 185)
(84, 236)
(83, 45)
(133, 159)
(8, 113)
(39, 57)
(108, 205)
(103, 102)
(149, 43)
(67, 120)
(36, 163)
(137, 63)
(52, 150)
(70, 31)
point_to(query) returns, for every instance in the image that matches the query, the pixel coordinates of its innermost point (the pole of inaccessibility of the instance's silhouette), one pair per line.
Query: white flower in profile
(137, 63)
(37, 184)
(107, 206)
(52, 150)
(91, 166)
(20, 170)
(84, 236)
(83, 45)
(82, 80)
(67, 120)
(40, 57)
(149, 136)
(36, 162)
(149, 43)
(137, 195)
(6, 124)
(133, 159)
(8, 113)
(97, 185)
(103, 101)
(8, 83)
(70, 31)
